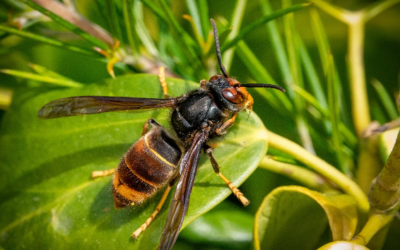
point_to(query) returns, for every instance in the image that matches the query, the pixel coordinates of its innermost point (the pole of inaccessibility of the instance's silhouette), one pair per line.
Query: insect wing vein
(180, 201)
(83, 105)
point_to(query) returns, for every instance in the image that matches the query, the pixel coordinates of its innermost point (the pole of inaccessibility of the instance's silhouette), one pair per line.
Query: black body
(198, 108)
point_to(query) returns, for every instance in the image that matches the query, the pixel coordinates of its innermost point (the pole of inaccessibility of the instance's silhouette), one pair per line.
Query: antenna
(259, 85)
(217, 49)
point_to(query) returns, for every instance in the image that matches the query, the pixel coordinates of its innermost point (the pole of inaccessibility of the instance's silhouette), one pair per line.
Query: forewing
(180, 201)
(84, 105)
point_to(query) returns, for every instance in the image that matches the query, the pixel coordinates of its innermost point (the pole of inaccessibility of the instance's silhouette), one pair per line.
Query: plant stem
(297, 173)
(369, 162)
(385, 189)
(375, 223)
(359, 97)
(321, 167)
(356, 21)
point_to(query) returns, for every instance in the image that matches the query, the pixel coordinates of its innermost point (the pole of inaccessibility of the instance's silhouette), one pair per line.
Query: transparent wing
(83, 105)
(180, 201)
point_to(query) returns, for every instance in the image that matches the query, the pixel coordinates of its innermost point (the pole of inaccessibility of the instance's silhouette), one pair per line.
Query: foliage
(54, 176)
(47, 198)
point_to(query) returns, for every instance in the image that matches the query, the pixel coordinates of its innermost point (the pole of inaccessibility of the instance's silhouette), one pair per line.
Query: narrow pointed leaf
(49, 41)
(41, 78)
(386, 99)
(73, 22)
(243, 32)
(49, 73)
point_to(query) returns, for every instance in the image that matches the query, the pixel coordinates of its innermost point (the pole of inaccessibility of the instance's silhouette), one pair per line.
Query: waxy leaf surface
(47, 197)
(290, 214)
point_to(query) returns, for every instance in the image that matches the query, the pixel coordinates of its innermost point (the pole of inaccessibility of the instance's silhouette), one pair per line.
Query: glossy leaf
(290, 214)
(342, 245)
(386, 142)
(47, 196)
(217, 228)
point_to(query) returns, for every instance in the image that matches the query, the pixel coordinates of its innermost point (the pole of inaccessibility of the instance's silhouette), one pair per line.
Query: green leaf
(342, 245)
(386, 143)
(46, 72)
(204, 17)
(386, 99)
(5, 98)
(141, 30)
(50, 41)
(236, 21)
(217, 228)
(290, 214)
(259, 22)
(157, 11)
(73, 22)
(188, 41)
(114, 19)
(47, 196)
(131, 31)
(194, 13)
(43, 78)
(260, 73)
(277, 46)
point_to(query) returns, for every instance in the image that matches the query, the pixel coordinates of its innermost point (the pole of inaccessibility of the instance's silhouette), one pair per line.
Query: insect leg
(234, 189)
(103, 173)
(153, 215)
(222, 130)
(163, 82)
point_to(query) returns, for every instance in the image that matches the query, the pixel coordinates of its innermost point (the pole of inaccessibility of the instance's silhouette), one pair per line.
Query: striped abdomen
(147, 166)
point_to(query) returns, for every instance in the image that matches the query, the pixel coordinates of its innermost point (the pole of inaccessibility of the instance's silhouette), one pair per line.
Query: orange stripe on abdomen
(124, 195)
(146, 165)
(133, 181)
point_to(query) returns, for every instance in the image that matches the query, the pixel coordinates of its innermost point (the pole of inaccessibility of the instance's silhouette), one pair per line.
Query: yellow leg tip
(245, 201)
(103, 173)
(96, 174)
(136, 233)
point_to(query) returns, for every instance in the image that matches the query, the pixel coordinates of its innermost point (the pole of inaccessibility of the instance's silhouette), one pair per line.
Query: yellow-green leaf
(386, 142)
(290, 214)
(342, 245)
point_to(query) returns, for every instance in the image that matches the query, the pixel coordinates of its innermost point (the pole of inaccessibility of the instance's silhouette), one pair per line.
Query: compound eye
(232, 95)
